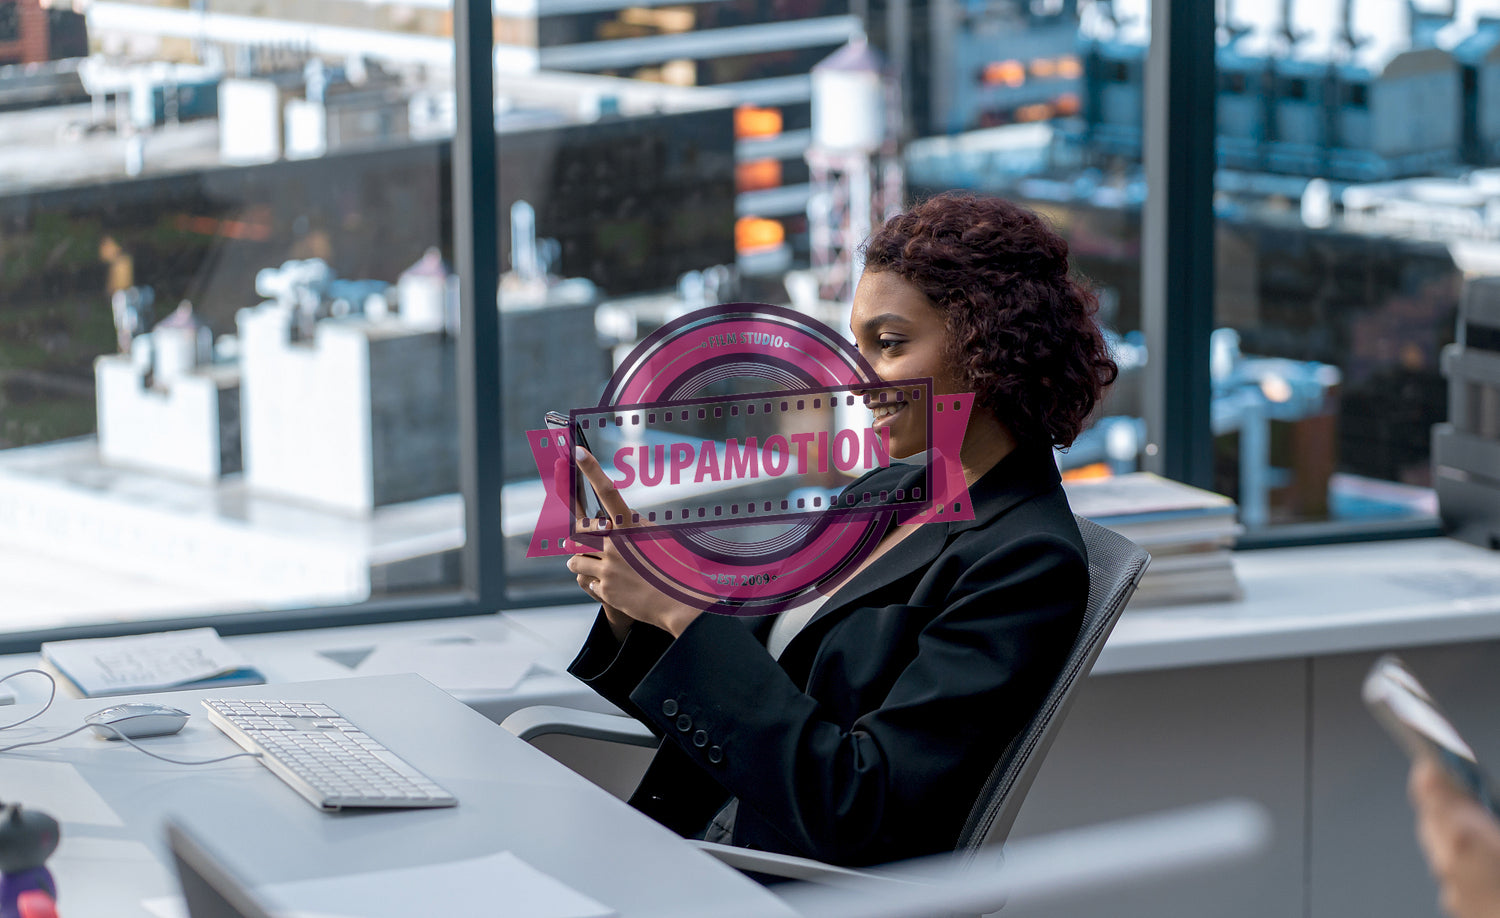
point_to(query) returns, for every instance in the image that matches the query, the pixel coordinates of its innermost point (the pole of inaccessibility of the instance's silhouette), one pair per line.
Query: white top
(791, 621)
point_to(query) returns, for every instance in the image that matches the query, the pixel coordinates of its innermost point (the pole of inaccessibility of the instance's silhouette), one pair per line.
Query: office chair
(1115, 568)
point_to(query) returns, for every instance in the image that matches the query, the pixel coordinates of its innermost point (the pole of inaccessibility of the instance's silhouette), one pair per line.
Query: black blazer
(871, 737)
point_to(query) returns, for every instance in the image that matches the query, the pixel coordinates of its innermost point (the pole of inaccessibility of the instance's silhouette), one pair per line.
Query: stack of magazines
(1188, 531)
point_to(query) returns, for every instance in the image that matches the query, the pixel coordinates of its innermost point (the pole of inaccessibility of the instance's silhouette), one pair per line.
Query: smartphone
(585, 501)
(1403, 707)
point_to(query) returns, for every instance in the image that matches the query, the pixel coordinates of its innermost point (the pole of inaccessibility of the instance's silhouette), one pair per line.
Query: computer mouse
(136, 719)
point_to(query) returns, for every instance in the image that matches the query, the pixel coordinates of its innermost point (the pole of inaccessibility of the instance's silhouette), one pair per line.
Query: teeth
(886, 410)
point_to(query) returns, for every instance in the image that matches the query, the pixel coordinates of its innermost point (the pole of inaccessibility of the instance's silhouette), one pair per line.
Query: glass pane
(1041, 103)
(714, 190)
(227, 345)
(1352, 205)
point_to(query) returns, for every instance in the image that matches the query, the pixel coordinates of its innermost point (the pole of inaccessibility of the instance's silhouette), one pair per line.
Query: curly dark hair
(1020, 327)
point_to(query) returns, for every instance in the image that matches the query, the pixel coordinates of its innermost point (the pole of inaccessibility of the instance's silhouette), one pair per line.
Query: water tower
(853, 160)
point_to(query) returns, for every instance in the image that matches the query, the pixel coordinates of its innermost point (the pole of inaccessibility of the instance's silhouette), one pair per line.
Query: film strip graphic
(685, 544)
(777, 457)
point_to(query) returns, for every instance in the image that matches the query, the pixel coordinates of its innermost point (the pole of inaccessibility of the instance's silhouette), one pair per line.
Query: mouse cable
(118, 735)
(122, 736)
(51, 694)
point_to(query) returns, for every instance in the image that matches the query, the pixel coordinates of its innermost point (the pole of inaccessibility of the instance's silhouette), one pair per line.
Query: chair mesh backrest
(1115, 567)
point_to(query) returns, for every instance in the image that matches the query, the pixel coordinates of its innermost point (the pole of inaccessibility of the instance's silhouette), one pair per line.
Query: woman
(867, 731)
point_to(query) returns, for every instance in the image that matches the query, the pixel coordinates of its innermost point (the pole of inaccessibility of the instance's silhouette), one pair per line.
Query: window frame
(1177, 238)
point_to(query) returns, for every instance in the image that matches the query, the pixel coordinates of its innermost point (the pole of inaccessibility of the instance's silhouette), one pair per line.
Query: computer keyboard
(323, 756)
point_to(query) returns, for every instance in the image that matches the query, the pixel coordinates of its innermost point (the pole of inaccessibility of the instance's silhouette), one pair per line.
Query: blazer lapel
(911, 554)
(1024, 473)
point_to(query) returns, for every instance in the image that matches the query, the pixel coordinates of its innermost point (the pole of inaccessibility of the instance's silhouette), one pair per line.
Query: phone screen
(585, 501)
(1403, 705)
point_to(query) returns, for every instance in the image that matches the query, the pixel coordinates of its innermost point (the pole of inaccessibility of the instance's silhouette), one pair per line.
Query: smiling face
(903, 336)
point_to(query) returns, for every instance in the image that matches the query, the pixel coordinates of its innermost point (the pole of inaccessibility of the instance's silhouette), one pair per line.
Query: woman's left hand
(618, 585)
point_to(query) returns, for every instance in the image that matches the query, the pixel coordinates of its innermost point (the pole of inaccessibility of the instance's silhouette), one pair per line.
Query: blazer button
(715, 754)
(700, 739)
(684, 723)
(669, 707)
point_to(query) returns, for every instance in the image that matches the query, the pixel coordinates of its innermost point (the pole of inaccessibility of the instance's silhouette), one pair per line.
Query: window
(1348, 220)
(10, 21)
(227, 353)
(646, 159)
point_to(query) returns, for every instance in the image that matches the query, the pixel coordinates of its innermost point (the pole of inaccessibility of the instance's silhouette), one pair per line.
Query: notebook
(196, 658)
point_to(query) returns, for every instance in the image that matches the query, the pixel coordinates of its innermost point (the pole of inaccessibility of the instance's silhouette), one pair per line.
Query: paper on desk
(174, 907)
(454, 666)
(477, 886)
(57, 788)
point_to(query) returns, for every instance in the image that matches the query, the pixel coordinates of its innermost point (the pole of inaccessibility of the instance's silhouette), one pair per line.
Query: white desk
(1329, 599)
(550, 636)
(1187, 704)
(511, 798)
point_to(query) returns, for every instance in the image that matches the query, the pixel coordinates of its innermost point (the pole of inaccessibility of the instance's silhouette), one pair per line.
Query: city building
(33, 32)
(756, 52)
